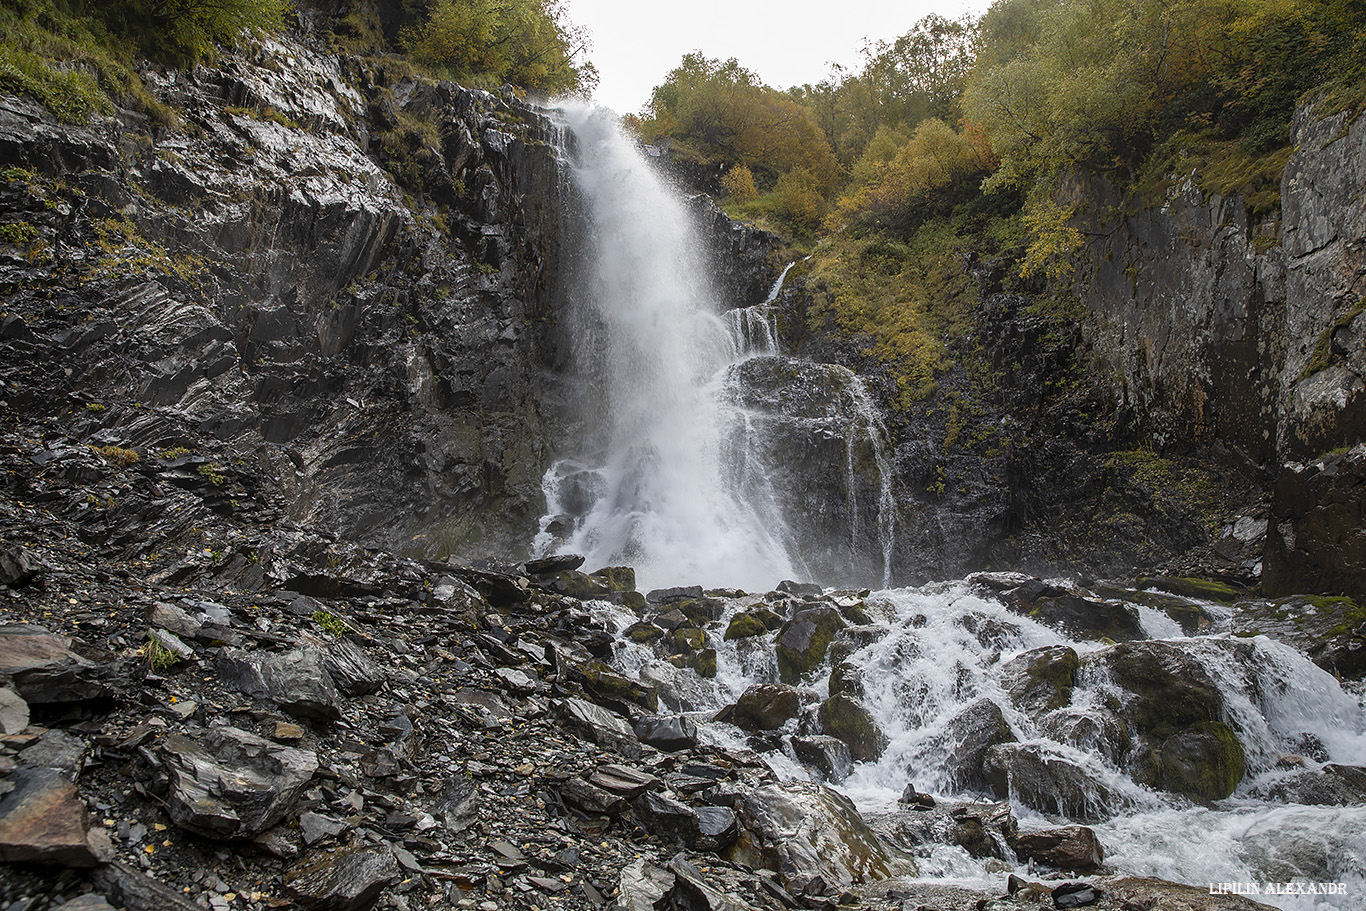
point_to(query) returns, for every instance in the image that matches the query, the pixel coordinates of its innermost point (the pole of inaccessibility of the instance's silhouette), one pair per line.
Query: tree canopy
(528, 43)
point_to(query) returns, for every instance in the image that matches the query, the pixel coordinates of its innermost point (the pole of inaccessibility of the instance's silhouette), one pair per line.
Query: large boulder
(803, 641)
(1332, 785)
(812, 837)
(44, 670)
(1077, 616)
(296, 681)
(231, 784)
(967, 737)
(1066, 847)
(1167, 687)
(1045, 779)
(43, 820)
(1204, 762)
(348, 879)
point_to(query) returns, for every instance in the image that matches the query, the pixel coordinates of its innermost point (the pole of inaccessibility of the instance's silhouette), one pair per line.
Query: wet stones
(829, 755)
(812, 837)
(1204, 762)
(803, 641)
(1044, 779)
(669, 733)
(751, 623)
(1041, 680)
(228, 783)
(13, 712)
(969, 736)
(1066, 847)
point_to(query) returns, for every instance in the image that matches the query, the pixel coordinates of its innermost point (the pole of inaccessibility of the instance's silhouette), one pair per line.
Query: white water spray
(668, 497)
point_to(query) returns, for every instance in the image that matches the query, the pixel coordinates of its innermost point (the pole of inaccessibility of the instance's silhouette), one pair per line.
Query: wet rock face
(1314, 538)
(368, 349)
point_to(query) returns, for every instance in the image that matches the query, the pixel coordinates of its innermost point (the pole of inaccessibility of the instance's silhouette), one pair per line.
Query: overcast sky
(635, 43)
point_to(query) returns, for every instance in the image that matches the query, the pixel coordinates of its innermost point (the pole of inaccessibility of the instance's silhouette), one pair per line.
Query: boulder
(17, 566)
(717, 828)
(624, 780)
(1041, 680)
(827, 754)
(1332, 785)
(43, 669)
(296, 681)
(591, 799)
(812, 837)
(231, 784)
(556, 563)
(347, 664)
(1204, 762)
(846, 719)
(669, 733)
(615, 691)
(1168, 687)
(803, 641)
(765, 707)
(966, 739)
(1066, 847)
(1078, 617)
(347, 879)
(43, 820)
(667, 819)
(13, 712)
(745, 626)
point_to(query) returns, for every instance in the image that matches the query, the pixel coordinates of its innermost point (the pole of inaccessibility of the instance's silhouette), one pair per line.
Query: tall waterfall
(669, 495)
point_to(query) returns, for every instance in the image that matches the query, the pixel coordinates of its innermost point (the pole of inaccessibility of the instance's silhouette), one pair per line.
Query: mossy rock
(643, 632)
(616, 578)
(1192, 618)
(846, 719)
(700, 610)
(611, 689)
(803, 641)
(575, 584)
(1171, 689)
(846, 680)
(1190, 587)
(765, 707)
(704, 662)
(744, 626)
(686, 640)
(1204, 762)
(1041, 680)
(631, 600)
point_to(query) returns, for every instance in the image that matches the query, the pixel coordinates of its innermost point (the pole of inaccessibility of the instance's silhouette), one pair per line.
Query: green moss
(616, 578)
(744, 626)
(330, 623)
(20, 234)
(1323, 347)
(846, 719)
(1190, 587)
(1204, 762)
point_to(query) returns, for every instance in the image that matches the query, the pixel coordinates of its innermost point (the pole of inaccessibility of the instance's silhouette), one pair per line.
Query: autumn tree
(720, 112)
(528, 43)
(185, 31)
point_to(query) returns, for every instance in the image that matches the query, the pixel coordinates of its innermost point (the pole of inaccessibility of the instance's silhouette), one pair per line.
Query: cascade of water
(937, 655)
(663, 499)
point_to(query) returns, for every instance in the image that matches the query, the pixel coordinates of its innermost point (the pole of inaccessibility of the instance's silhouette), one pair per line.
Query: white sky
(636, 44)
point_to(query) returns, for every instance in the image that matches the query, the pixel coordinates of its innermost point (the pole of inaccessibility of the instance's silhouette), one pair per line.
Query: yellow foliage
(738, 184)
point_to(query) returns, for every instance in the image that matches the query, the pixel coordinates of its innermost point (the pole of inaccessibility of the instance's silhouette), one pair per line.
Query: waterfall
(669, 497)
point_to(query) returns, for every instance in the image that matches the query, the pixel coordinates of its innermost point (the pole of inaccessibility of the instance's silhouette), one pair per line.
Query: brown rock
(43, 821)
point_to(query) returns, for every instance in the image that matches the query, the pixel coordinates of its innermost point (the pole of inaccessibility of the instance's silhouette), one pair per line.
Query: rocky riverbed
(277, 719)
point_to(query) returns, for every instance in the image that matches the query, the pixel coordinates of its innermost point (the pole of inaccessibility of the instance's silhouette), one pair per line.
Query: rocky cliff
(326, 278)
